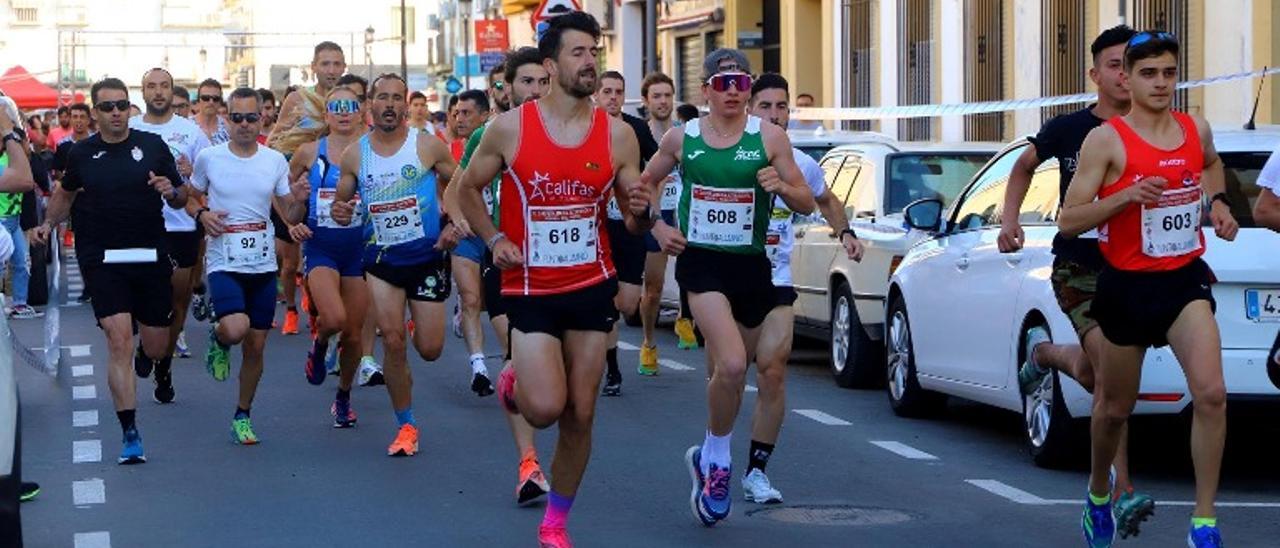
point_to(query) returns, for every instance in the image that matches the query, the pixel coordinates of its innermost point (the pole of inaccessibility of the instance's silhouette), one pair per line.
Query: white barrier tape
(987, 107)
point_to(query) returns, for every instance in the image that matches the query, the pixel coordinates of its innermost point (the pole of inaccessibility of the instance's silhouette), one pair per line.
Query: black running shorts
(745, 280)
(587, 309)
(143, 290)
(184, 247)
(628, 252)
(1138, 308)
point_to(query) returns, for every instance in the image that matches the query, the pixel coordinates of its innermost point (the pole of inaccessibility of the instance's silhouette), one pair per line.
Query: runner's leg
(355, 301)
(655, 274)
(727, 352)
(582, 353)
(773, 351)
(466, 273)
(388, 310)
(252, 348)
(1197, 344)
(428, 331)
(121, 378)
(1115, 393)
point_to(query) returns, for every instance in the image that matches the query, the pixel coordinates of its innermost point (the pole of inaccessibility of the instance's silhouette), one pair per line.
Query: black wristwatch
(200, 212)
(12, 136)
(848, 231)
(1220, 197)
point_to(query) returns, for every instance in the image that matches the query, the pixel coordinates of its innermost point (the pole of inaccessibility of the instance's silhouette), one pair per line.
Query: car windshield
(942, 175)
(815, 151)
(1242, 169)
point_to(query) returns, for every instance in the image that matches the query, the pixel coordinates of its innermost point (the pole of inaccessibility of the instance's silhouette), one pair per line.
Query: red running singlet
(553, 207)
(1167, 235)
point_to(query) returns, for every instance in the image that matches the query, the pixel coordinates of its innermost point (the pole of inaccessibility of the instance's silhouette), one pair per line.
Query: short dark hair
(326, 46)
(181, 91)
(653, 79)
(385, 76)
(453, 102)
(475, 96)
(63, 110)
(772, 80)
(1154, 47)
(348, 79)
(106, 83)
(266, 96)
(500, 69)
(519, 58)
(1114, 36)
(80, 107)
(417, 95)
(245, 93)
(580, 21)
(210, 83)
(161, 69)
(613, 75)
(809, 95)
(686, 112)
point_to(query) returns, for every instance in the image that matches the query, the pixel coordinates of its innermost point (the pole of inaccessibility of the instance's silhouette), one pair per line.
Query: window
(26, 16)
(981, 205)
(844, 179)
(1041, 204)
(830, 167)
(916, 176)
(410, 32)
(1242, 170)
(861, 203)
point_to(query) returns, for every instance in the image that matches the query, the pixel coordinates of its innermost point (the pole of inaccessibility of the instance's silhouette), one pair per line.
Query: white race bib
(324, 205)
(721, 216)
(396, 221)
(249, 245)
(1172, 227)
(562, 236)
(671, 194)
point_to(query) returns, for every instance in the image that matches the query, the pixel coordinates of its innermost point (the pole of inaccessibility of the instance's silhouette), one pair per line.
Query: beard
(581, 85)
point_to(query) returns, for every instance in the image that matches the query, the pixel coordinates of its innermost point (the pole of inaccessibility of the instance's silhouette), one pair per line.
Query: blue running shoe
(1204, 536)
(132, 451)
(1098, 524)
(315, 361)
(693, 458)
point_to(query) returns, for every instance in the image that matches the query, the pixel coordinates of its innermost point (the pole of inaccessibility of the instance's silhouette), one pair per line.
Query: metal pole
(650, 36)
(404, 63)
(466, 47)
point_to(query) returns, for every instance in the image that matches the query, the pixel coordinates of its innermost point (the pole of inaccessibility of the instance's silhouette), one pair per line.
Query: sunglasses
(723, 81)
(1147, 36)
(109, 106)
(237, 117)
(499, 85)
(211, 98)
(343, 106)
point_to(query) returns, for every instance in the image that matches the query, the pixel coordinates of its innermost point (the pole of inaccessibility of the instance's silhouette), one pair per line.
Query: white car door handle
(963, 262)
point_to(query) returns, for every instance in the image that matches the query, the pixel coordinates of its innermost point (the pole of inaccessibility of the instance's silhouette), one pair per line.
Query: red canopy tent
(28, 92)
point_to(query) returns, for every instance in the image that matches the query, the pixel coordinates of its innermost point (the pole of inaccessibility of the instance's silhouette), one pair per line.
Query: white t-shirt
(185, 140)
(243, 188)
(780, 238)
(1269, 178)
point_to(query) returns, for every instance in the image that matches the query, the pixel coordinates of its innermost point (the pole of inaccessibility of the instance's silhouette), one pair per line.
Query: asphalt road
(851, 472)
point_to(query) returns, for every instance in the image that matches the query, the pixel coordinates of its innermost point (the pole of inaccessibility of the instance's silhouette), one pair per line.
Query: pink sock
(557, 510)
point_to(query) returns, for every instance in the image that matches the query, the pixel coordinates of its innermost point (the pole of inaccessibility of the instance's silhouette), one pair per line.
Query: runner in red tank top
(1142, 179)
(561, 158)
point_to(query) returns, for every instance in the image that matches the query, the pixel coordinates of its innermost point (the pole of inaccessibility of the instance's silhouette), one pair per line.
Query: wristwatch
(848, 231)
(12, 136)
(1220, 197)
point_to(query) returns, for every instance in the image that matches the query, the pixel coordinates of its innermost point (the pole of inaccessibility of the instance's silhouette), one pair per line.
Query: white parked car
(959, 309)
(843, 300)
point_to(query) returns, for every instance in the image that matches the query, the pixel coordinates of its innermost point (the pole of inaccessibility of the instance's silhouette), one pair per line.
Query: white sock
(715, 449)
(477, 364)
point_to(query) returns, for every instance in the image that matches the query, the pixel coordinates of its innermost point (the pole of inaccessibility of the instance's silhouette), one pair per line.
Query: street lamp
(404, 63)
(465, 7)
(368, 50)
(204, 60)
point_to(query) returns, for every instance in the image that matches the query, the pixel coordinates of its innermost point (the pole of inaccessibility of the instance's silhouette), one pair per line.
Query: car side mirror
(924, 214)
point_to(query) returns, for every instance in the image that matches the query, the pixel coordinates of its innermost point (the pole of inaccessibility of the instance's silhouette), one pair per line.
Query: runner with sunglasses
(240, 178)
(113, 179)
(334, 273)
(1143, 181)
(208, 99)
(724, 212)
(397, 174)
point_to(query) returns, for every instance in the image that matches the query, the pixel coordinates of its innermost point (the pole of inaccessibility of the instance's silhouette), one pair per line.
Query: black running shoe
(481, 385)
(613, 383)
(141, 363)
(30, 490)
(164, 383)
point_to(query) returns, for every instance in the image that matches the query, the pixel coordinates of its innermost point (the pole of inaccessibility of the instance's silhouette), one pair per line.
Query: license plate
(1262, 305)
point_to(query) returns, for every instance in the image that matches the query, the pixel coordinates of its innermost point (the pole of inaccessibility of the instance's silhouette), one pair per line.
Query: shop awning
(29, 93)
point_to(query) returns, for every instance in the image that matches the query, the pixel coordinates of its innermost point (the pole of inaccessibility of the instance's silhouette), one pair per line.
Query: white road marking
(78, 350)
(96, 539)
(82, 371)
(752, 389)
(624, 345)
(823, 417)
(84, 419)
(86, 392)
(1022, 497)
(674, 365)
(903, 450)
(90, 491)
(86, 451)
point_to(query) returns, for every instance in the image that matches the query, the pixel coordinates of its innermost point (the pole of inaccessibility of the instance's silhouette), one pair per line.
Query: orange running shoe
(553, 537)
(533, 483)
(290, 323)
(406, 443)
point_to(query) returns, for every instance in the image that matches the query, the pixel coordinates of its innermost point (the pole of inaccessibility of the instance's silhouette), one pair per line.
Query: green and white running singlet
(722, 206)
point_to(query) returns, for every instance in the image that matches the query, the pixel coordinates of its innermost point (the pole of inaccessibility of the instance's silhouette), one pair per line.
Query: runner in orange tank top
(559, 157)
(1142, 181)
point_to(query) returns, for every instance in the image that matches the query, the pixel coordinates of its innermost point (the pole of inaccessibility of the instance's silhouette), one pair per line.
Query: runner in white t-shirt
(1266, 213)
(185, 140)
(769, 98)
(240, 178)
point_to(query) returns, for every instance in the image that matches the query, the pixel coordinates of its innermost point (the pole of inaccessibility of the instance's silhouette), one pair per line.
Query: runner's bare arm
(288, 116)
(299, 165)
(793, 190)
(58, 210)
(1011, 235)
(1266, 212)
(1213, 180)
(344, 203)
(1081, 211)
(661, 164)
(632, 195)
(434, 154)
(485, 163)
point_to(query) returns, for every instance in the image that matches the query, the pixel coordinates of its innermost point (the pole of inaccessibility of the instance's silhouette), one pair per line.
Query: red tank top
(553, 207)
(1165, 236)
(456, 148)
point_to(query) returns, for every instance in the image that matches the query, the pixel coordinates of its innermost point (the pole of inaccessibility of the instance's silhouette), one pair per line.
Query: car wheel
(1054, 439)
(854, 362)
(906, 397)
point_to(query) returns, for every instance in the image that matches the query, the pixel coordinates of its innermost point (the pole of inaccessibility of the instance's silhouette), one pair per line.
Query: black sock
(758, 458)
(126, 419)
(344, 395)
(198, 290)
(241, 412)
(684, 305)
(164, 363)
(611, 359)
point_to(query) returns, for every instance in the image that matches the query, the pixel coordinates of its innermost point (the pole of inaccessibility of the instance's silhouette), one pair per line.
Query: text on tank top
(722, 206)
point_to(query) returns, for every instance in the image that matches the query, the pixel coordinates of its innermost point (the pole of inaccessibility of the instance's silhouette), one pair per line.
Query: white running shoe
(183, 351)
(370, 373)
(756, 488)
